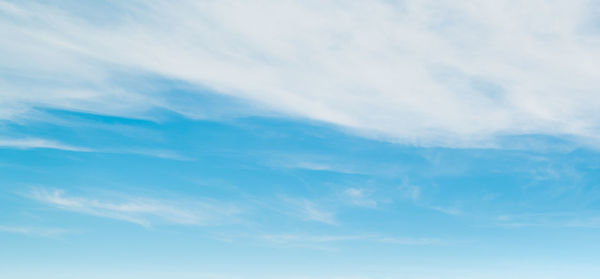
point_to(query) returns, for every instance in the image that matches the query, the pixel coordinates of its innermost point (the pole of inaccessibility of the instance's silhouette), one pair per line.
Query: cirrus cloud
(433, 73)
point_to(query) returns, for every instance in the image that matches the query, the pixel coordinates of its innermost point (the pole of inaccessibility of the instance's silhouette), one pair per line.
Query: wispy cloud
(413, 193)
(445, 210)
(139, 210)
(314, 163)
(408, 191)
(322, 166)
(443, 73)
(34, 231)
(310, 211)
(32, 143)
(359, 197)
(158, 153)
(40, 143)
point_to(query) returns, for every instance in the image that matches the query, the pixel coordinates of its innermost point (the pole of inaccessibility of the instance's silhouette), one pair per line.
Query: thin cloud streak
(40, 143)
(34, 231)
(33, 143)
(140, 210)
(310, 211)
(414, 194)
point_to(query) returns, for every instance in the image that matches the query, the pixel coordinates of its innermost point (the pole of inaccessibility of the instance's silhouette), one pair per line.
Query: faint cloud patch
(34, 231)
(310, 211)
(40, 143)
(139, 210)
(37, 143)
(414, 193)
(410, 192)
(446, 210)
(315, 163)
(359, 197)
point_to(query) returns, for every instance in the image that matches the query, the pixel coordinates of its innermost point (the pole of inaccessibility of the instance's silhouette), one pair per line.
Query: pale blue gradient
(288, 199)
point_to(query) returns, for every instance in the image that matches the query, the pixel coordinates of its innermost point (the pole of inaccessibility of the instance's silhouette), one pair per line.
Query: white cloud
(158, 153)
(445, 210)
(359, 197)
(33, 231)
(449, 73)
(310, 211)
(140, 210)
(40, 143)
(31, 143)
(413, 193)
(355, 193)
(317, 166)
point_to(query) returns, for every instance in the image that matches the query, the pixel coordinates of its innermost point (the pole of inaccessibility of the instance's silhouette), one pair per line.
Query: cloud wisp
(35, 143)
(414, 194)
(309, 211)
(34, 231)
(41, 143)
(140, 210)
(359, 197)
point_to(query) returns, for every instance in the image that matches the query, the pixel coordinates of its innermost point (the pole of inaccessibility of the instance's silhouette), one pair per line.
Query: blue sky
(299, 139)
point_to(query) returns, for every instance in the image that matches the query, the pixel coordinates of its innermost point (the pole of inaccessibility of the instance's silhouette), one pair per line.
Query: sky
(299, 139)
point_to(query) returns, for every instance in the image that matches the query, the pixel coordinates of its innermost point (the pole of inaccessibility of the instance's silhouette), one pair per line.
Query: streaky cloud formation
(139, 210)
(40, 143)
(31, 143)
(432, 73)
(34, 231)
(299, 139)
(310, 211)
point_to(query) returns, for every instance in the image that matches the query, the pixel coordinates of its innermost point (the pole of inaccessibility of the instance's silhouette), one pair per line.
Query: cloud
(32, 143)
(317, 166)
(40, 143)
(410, 192)
(413, 193)
(310, 211)
(359, 197)
(433, 73)
(445, 210)
(33, 231)
(158, 153)
(139, 210)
